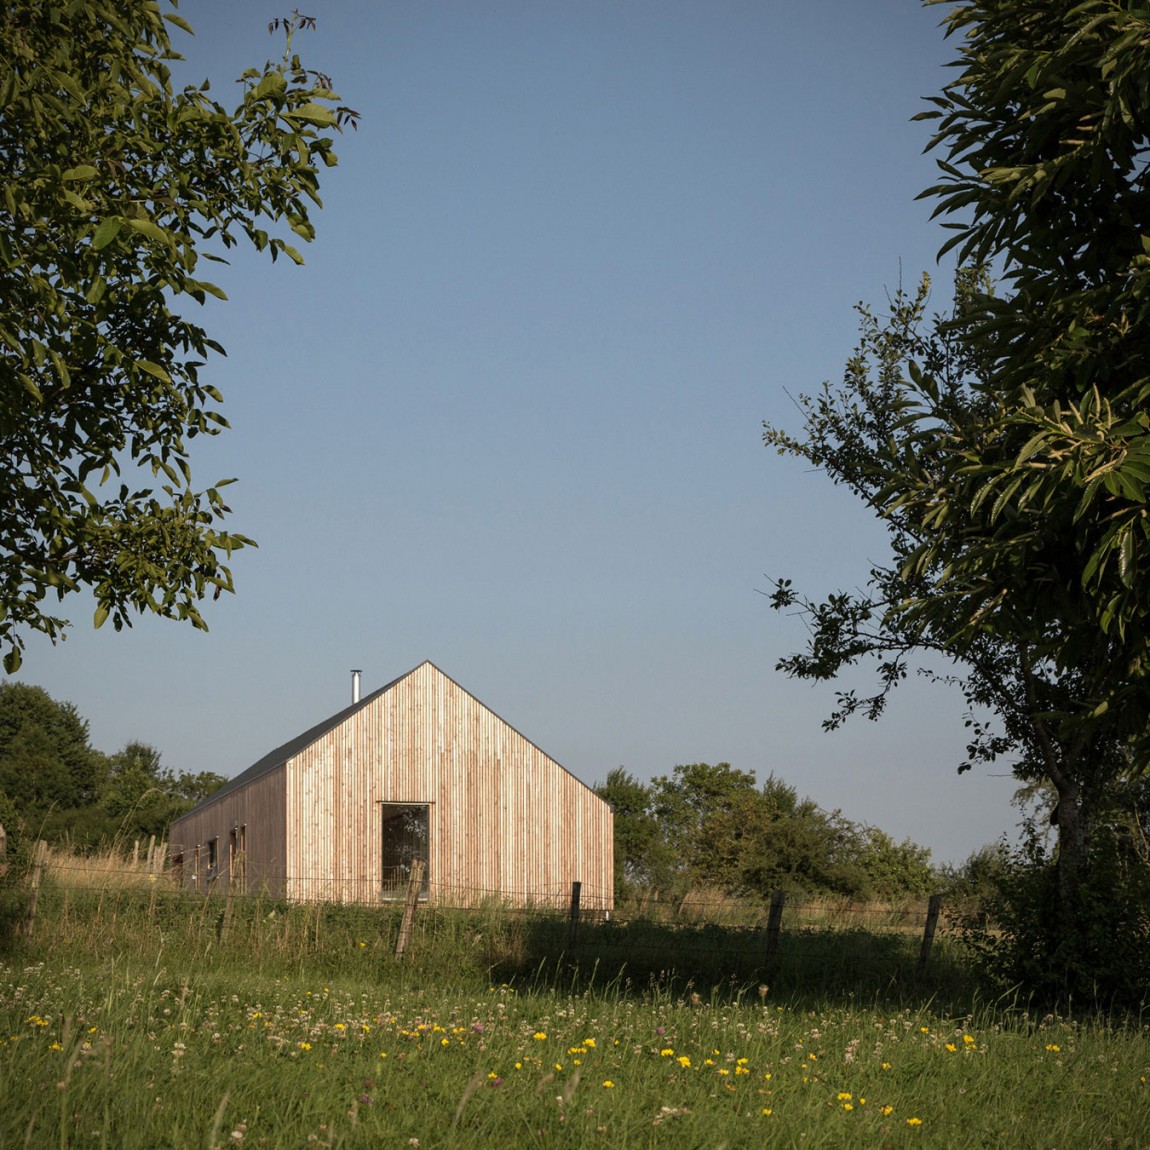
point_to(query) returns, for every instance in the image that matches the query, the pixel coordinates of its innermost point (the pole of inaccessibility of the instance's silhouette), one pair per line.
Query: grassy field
(134, 1019)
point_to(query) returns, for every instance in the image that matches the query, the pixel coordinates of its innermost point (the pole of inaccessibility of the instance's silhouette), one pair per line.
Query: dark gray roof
(293, 747)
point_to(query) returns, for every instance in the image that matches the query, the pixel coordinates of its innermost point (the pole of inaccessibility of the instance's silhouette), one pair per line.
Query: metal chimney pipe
(355, 674)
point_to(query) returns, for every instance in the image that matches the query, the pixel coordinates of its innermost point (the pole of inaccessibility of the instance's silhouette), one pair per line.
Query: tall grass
(136, 1015)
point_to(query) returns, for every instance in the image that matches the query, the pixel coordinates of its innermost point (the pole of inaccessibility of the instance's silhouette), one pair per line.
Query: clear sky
(508, 416)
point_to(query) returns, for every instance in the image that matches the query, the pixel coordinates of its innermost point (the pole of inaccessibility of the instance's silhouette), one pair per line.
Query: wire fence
(703, 938)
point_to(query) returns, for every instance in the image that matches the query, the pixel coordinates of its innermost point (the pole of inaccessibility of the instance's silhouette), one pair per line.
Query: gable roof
(292, 747)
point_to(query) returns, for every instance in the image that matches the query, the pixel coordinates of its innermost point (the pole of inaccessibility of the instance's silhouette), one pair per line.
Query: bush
(1014, 930)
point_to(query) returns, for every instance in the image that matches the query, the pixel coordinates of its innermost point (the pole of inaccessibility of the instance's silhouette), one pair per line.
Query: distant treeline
(55, 785)
(715, 827)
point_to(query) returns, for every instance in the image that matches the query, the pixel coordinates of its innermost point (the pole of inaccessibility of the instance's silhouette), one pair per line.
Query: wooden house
(418, 769)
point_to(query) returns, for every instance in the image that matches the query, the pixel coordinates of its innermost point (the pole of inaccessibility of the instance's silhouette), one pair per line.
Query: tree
(48, 768)
(912, 391)
(141, 797)
(116, 187)
(643, 857)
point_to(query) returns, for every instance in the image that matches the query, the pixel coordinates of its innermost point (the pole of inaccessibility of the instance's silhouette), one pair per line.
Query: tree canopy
(55, 784)
(1005, 445)
(117, 189)
(713, 827)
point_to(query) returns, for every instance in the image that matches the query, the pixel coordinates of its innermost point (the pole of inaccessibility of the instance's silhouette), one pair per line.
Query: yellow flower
(923, 1030)
(590, 1042)
(950, 1046)
(844, 1097)
(558, 1065)
(886, 1111)
(914, 1121)
(741, 1070)
(666, 1052)
(539, 1036)
(304, 1045)
(608, 1083)
(766, 1112)
(444, 1041)
(886, 1066)
(684, 1061)
(723, 1071)
(967, 1040)
(340, 1026)
(383, 1054)
(847, 1106)
(1053, 1047)
(55, 1046)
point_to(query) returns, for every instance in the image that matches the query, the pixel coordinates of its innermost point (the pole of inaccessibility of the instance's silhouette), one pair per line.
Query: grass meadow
(131, 1018)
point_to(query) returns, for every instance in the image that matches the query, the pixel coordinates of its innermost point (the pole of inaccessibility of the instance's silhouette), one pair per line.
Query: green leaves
(112, 184)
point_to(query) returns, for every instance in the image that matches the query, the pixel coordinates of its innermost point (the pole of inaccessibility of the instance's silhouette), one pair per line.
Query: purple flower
(366, 1099)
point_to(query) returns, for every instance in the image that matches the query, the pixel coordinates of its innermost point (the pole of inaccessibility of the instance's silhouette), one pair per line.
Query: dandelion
(445, 1042)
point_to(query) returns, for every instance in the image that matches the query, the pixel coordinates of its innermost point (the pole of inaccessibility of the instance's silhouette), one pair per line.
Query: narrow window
(213, 858)
(406, 837)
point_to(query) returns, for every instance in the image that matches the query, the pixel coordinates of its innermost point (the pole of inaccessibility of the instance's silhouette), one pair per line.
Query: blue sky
(508, 416)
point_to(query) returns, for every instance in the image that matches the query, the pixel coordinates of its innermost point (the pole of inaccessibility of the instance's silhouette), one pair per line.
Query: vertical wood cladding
(505, 820)
(258, 808)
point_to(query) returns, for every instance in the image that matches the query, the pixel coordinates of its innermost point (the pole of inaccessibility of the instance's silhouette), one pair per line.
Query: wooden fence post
(37, 875)
(774, 924)
(414, 884)
(573, 916)
(932, 909)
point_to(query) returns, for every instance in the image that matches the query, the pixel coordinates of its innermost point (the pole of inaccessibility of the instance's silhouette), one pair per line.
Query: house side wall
(506, 820)
(255, 814)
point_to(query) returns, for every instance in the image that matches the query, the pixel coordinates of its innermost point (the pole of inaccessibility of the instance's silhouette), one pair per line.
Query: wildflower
(845, 1097)
(886, 1066)
(304, 1045)
(361, 945)
(950, 1046)
(589, 1042)
(684, 1061)
(55, 1046)
(886, 1111)
(724, 1071)
(1053, 1047)
(340, 1026)
(445, 1042)
(608, 1083)
(766, 1112)
(914, 1121)
(666, 1052)
(383, 1054)
(539, 1036)
(967, 1040)
(923, 1030)
(848, 1106)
